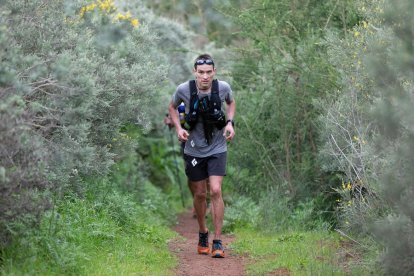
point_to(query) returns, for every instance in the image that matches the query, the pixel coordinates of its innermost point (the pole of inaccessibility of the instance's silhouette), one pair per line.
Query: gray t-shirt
(196, 144)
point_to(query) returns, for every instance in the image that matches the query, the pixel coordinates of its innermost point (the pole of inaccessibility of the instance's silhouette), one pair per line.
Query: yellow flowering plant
(107, 7)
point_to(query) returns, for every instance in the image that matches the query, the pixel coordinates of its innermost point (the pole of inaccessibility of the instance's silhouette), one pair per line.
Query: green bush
(368, 132)
(23, 174)
(73, 75)
(281, 73)
(242, 212)
(394, 115)
(80, 236)
(347, 129)
(279, 214)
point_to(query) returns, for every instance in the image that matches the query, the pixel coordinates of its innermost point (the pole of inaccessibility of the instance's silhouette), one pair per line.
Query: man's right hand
(182, 135)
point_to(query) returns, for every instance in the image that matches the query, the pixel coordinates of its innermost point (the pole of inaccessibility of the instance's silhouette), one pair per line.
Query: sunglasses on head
(204, 61)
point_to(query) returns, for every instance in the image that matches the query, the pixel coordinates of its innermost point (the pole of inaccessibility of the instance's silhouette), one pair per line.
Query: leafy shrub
(281, 73)
(71, 237)
(272, 214)
(347, 129)
(278, 214)
(23, 174)
(74, 75)
(394, 115)
(369, 130)
(242, 212)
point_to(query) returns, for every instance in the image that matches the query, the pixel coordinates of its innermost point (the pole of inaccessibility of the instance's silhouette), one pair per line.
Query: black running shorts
(199, 168)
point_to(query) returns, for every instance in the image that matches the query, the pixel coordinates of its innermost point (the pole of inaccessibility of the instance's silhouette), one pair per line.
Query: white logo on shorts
(192, 143)
(194, 162)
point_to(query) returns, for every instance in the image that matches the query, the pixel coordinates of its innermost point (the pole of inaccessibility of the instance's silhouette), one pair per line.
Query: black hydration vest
(208, 109)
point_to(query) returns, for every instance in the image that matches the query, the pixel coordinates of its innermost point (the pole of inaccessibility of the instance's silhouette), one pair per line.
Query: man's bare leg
(192, 190)
(211, 209)
(199, 189)
(217, 204)
(193, 211)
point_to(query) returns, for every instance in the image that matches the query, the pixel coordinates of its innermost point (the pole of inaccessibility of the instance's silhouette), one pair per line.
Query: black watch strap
(232, 122)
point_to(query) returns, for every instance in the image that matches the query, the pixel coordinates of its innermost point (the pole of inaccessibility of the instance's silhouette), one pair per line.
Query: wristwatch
(232, 122)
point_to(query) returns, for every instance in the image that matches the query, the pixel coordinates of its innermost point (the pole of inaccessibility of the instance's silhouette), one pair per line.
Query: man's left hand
(229, 132)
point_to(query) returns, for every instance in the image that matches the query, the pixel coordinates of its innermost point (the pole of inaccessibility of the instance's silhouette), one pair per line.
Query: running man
(208, 126)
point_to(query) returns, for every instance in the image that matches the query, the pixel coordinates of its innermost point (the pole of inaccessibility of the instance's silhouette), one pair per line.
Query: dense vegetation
(324, 132)
(78, 85)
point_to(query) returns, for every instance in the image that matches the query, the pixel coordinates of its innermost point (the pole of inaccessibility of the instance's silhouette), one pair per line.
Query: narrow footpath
(191, 263)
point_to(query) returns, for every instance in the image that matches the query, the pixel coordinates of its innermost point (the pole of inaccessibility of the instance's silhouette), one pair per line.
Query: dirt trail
(191, 263)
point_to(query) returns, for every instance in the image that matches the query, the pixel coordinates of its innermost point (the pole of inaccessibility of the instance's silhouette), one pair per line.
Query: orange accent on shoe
(218, 253)
(203, 245)
(217, 249)
(203, 250)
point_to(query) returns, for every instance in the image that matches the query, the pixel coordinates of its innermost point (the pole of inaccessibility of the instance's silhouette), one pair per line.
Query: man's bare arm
(229, 129)
(182, 134)
(231, 110)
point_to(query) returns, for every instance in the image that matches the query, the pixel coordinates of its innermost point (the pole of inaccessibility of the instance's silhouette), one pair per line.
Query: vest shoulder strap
(193, 88)
(193, 96)
(191, 117)
(215, 87)
(215, 100)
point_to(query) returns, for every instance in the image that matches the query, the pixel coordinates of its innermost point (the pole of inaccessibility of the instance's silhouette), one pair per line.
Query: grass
(115, 237)
(296, 252)
(129, 255)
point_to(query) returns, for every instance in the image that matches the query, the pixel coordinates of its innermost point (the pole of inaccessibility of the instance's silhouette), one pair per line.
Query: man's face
(204, 76)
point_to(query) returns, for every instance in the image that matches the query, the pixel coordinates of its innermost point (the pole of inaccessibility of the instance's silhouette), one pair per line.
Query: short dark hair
(203, 57)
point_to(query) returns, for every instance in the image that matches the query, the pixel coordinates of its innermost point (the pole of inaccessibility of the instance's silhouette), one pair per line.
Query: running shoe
(217, 249)
(203, 247)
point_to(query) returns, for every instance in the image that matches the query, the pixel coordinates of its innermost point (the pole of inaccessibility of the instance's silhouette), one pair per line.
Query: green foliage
(367, 129)
(279, 214)
(347, 128)
(242, 212)
(307, 253)
(164, 166)
(323, 90)
(272, 214)
(394, 115)
(93, 237)
(77, 90)
(347, 125)
(281, 74)
(70, 82)
(207, 19)
(22, 160)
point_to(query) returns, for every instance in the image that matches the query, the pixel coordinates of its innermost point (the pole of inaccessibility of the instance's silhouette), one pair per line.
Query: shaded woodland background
(324, 117)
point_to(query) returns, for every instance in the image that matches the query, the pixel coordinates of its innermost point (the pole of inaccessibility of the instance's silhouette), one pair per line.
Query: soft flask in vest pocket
(219, 118)
(190, 120)
(181, 114)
